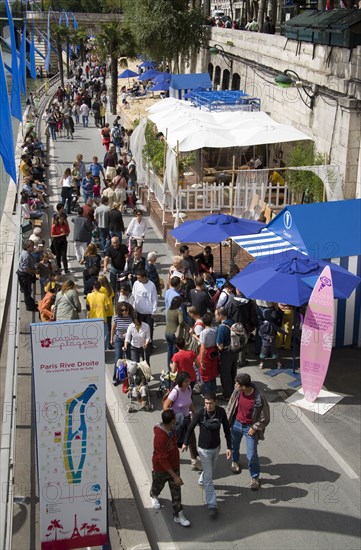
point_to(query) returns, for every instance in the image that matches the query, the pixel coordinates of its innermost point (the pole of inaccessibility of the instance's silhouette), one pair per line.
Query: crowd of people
(208, 322)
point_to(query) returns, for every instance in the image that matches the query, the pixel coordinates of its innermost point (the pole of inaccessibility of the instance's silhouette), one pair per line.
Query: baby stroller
(74, 201)
(167, 379)
(139, 376)
(131, 201)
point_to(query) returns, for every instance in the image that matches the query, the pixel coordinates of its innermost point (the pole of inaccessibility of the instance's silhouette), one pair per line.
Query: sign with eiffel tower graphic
(69, 381)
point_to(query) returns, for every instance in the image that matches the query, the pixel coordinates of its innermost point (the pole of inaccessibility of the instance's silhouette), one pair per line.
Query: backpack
(239, 337)
(121, 372)
(267, 331)
(117, 134)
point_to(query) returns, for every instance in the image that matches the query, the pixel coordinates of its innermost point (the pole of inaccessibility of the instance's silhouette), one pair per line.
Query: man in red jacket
(166, 466)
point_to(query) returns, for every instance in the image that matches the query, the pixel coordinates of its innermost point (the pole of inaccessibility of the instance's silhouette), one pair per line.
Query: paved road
(310, 495)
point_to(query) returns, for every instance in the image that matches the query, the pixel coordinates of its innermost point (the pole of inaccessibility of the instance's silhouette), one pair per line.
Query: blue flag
(75, 22)
(15, 88)
(32, 54)
(47, 59)
(7, 150)
(22, 68)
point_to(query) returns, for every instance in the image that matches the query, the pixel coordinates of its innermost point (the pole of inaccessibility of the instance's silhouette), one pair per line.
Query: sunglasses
(124, 310)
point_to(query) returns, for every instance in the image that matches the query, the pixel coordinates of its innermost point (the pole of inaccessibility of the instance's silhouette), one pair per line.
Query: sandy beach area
(137, 107)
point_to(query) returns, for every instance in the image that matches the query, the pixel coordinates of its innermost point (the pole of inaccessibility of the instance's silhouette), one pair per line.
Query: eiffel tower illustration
(75, 533)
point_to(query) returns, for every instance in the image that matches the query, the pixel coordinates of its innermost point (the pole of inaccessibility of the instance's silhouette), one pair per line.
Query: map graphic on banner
(69, 381)
(317, 336)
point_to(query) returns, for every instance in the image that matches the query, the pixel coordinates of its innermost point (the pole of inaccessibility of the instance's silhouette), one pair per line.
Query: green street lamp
(217, 49)
(283, 80)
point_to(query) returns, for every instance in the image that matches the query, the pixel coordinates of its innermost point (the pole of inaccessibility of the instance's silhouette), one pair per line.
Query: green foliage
(114, 40)
(186, 162)
(83, 6)
(153, 151)
(304, 154)
(165, 29)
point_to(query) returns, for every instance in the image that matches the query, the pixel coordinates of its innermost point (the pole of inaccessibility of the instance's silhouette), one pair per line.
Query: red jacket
(165, 453)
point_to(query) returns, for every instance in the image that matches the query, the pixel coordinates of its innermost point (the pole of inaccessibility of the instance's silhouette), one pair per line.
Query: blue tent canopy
(180, 84)
(323, 229)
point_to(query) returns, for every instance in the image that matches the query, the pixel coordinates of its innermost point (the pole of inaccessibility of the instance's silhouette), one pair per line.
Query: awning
(263, 244)
(190, 81)
(193, 129)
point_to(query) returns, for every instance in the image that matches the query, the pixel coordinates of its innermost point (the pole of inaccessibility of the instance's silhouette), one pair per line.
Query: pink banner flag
(317, 336)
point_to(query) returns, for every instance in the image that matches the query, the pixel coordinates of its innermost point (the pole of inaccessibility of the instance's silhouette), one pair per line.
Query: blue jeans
(208, 458)
(114, 274)
(239, 430)
(85, 121)
(170, 339)
(106, 336)
(52, 132)
(104, 237)
(210, 386)
(87, 196)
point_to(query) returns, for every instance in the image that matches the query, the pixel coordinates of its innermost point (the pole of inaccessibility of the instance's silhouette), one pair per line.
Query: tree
(167, 30)
(59, 34)
(304, 154)
(80, 37)
(114, 40)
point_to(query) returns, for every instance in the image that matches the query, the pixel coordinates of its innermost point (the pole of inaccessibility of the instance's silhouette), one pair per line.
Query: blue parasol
(287, 278)
(147, 64)
(162, 76)
(161, 86)
(215, 228)
(149, 75)
(127, 74)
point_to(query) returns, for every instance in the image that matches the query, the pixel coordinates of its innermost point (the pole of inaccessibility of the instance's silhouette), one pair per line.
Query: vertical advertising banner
(69, 383)
(317, 336)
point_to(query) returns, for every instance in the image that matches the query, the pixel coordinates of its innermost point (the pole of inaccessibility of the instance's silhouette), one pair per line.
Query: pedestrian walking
(209, 418)
(102, 220)
(180, 400)
(59, 233)
(145, 298)
(115, 258)
(228, 357)
(137, 338)
(66, 188)
(248, 414)
(83, 229)
(26, 274)
(67, 304)
(84, 111)
(166, 466)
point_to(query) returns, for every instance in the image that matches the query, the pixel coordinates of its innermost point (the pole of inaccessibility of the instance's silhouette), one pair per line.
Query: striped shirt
(122, 324)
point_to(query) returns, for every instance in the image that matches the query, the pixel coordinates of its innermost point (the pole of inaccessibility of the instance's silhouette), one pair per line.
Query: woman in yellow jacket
(107, 290)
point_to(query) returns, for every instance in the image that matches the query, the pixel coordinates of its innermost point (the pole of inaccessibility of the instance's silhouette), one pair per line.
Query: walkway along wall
(334, 74)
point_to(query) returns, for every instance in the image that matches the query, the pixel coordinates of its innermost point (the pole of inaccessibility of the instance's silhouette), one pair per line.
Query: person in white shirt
(138, 338)
(84, 111)
(137, 228)
(145, 298)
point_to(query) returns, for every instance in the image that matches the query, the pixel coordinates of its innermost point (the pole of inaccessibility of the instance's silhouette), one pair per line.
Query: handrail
(8, 431)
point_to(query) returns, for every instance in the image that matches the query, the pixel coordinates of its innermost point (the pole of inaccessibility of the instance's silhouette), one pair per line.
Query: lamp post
(217, 49)
(283, 80)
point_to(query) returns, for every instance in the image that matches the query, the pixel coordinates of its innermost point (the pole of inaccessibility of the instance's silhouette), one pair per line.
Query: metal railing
(8, 428)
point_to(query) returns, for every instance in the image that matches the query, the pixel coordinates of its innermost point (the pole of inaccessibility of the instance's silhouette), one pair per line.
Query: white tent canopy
(194, 129)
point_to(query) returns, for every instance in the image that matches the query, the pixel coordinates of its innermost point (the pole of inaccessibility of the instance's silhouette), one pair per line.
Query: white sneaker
(180, 518)
(196, 465)
(155, 503)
